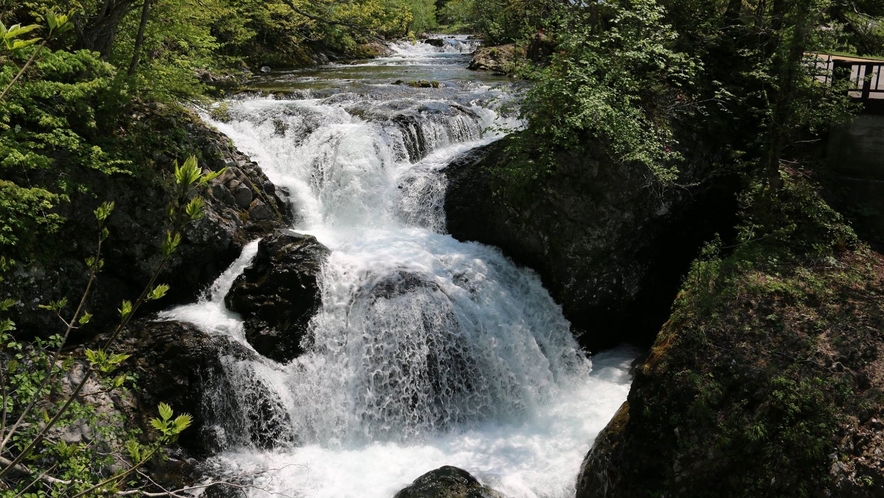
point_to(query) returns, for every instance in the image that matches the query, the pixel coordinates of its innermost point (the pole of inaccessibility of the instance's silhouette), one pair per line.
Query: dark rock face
(241, 205)
(606, 243)
(447, 482)
(279, 293)
(174, 363)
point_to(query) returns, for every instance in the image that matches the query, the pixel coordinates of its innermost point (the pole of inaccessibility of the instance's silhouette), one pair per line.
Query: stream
(427, 351)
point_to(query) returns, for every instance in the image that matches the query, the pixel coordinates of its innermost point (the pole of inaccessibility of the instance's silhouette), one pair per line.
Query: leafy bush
(616, 79)
(44, 389)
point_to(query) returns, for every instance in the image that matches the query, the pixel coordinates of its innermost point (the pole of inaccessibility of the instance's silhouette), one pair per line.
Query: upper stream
(427, 351)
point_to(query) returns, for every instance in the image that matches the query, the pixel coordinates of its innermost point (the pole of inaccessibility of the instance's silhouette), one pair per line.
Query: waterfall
(427, 351)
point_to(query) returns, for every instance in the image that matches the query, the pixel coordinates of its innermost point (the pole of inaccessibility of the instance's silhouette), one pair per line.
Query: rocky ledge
(768, 378)
(609, 246)
(241, 205)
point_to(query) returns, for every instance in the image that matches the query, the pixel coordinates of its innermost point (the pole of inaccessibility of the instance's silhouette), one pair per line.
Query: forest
(97, 96)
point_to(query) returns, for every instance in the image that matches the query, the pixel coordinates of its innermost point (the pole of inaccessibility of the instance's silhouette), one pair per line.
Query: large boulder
(279, 293)
(766, 380)
(499, 59)
(447, 482)
(609, 245)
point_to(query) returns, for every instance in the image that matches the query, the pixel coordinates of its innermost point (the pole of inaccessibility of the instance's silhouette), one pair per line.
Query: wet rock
(259, 211)
(243, 196)
(175, 362)
(224, 491)
(278, 294)
(447, 482)
(605, 242)
(418, 83)
(436, 42)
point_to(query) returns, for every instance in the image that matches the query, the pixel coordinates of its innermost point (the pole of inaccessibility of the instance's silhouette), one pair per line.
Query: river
(427, 351)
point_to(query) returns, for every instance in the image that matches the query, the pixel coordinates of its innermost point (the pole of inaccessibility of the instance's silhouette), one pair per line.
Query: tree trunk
(139, 39)
(99, 31)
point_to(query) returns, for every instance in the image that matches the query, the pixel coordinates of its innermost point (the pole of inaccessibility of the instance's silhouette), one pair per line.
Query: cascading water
(427, 351)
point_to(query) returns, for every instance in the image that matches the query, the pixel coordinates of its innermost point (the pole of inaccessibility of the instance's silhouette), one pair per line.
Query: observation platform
(865, 77)
(856, 149)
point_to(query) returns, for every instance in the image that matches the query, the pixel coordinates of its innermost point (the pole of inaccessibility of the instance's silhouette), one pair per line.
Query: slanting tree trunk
(139, 38)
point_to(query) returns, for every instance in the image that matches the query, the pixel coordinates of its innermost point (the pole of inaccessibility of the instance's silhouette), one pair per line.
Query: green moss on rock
(766, 380)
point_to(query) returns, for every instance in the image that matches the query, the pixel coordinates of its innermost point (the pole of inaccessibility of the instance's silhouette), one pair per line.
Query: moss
(772, 349)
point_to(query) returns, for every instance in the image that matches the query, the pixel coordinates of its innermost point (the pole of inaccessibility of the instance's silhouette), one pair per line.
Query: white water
(427, 351)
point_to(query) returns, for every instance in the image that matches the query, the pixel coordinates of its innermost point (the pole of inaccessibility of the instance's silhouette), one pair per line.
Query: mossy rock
(447, 482)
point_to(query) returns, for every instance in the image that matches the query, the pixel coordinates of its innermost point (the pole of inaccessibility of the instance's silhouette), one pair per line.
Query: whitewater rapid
(427, 351)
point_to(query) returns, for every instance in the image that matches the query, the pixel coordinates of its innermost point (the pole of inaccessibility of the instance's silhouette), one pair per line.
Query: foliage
(458, 16)
(614, 78)
(49, 127)
(756, 94)
(44, 389)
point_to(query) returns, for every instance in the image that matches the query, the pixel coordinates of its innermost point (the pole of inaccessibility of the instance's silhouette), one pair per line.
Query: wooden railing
(865, 77)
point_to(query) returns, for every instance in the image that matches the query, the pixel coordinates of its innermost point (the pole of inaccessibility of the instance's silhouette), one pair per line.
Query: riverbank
(766, 379)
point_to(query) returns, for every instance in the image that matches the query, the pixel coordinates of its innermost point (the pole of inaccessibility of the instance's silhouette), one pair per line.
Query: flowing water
(427, 351)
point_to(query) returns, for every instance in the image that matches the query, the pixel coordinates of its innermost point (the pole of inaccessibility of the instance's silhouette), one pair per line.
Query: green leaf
(158, 292)
(125, 310)
(55, 306)
(206, 178)
(182, 422)
(96, 358)
(171, 243)
(165, 411)
(84, 319)
(117, 358)
(158, 425)
(20, 44)
(17, 30)
(194, 208)
(103, 211)
(188, 173)
(58, 23)
(134, 449)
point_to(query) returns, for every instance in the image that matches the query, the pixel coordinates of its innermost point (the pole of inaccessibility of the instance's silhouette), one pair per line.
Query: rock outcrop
(241, 205)
(767, 379)
(175, 363)
(500, 59)
(447, 482)
(279, 293)
(609, 246)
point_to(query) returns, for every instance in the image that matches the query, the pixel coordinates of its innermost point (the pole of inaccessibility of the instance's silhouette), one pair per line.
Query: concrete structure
(856, 160)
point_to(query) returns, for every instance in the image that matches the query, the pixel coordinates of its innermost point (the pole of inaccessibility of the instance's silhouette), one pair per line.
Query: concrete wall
(858, 148)
(856, 161)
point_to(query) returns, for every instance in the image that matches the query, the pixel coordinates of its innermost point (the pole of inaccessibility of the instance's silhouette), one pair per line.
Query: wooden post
(867, 82)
